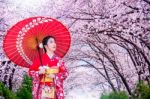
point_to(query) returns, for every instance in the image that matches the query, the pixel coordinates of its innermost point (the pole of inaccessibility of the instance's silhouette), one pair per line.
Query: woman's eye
(51, 41)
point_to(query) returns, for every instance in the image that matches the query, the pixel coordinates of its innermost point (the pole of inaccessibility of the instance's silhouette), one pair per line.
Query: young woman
(48, 73)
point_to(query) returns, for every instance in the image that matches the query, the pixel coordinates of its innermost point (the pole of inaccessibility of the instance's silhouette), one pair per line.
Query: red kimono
(58, 81)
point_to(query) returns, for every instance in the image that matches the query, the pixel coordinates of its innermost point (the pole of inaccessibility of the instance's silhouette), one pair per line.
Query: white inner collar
(50, 56)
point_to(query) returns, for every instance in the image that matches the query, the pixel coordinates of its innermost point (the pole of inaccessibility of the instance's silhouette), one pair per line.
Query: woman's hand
(42, 69)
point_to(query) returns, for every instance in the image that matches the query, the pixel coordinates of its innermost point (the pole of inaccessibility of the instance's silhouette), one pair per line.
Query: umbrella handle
(55, 87)
(38, 48)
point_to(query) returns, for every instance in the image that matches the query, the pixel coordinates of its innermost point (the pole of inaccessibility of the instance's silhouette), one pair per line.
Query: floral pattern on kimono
(59, 78)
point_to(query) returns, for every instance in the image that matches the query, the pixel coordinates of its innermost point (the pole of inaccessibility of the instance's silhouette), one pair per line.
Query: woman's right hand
(42, 69)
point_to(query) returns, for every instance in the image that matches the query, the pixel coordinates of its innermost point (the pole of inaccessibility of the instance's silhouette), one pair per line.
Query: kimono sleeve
(63, 71)
(34, 67)
(33, 72)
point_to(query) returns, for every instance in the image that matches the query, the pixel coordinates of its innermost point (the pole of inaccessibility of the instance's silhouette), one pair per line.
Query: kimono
(58, 80)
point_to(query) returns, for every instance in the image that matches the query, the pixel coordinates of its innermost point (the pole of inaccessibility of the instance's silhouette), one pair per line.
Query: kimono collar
(51, 57)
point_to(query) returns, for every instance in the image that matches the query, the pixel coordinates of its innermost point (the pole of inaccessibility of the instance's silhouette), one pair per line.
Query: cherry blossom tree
(110, 39)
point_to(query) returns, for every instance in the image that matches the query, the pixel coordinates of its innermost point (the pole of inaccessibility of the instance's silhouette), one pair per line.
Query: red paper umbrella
(21, 41)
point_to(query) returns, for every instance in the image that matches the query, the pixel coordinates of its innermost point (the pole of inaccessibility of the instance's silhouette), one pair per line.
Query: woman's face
(51, 45)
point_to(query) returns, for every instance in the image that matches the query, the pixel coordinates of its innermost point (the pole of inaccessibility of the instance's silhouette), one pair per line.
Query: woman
(48, 73)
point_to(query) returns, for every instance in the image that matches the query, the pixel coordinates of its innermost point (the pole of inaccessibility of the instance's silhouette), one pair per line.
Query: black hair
(45, 40)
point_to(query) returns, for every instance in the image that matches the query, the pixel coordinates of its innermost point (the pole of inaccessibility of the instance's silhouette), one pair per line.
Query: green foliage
(25, 92)
(5, 92)
(115, 95)
(142, 91)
